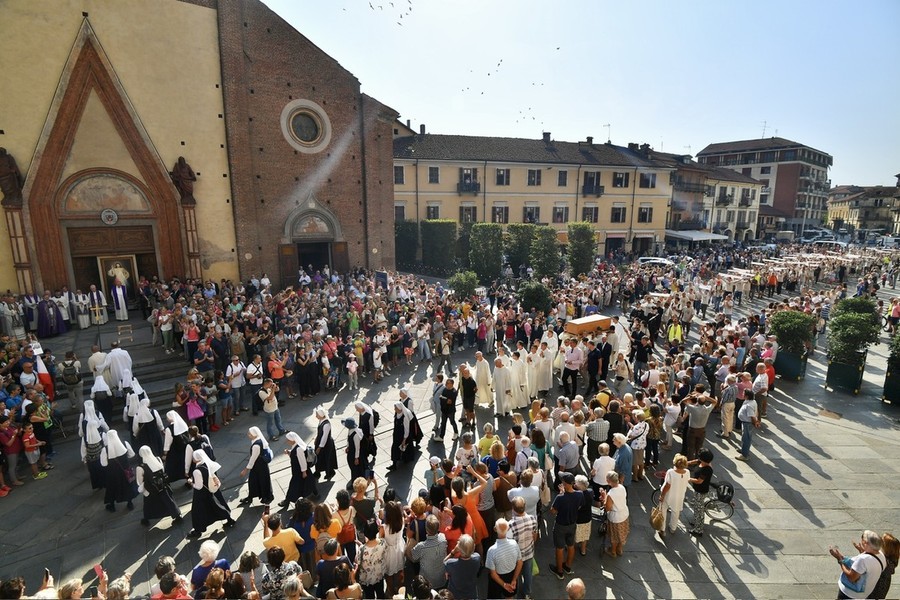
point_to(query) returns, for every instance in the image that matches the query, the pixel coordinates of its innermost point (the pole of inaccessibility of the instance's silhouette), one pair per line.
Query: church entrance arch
(107, 220)
(313, 239)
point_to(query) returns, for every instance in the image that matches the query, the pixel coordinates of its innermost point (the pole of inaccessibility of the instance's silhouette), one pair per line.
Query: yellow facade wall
(417, 191)
(166, 55)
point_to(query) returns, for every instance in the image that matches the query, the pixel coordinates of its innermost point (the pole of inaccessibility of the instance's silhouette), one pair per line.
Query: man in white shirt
(235, 374)
(573, 359)
(117, 362)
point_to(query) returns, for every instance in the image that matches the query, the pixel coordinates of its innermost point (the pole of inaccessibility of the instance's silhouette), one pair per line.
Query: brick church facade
(293, 163)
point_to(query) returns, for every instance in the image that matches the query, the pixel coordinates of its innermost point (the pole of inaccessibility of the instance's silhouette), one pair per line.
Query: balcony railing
(720, 226)
(679, 205)
(690, 225)
(688, 186)
(590, 189)
(744, 225)
(724, 200)
(746, 201)
(468, 187)
(765, 190)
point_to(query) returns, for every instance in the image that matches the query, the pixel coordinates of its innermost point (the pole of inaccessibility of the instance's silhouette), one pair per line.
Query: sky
(676, 75)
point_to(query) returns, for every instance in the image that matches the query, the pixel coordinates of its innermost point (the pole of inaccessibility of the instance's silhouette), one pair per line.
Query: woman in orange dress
(469, 500)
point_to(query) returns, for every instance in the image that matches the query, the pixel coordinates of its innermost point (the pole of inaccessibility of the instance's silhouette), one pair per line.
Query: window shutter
(461, 210)
(474, 174)
(460, 174)
(474, 214)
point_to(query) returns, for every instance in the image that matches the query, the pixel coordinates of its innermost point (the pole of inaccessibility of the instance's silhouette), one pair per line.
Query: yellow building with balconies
(622, 191)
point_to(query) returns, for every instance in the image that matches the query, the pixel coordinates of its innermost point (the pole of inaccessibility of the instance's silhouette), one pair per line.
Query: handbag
(657, 518)
(193, 410)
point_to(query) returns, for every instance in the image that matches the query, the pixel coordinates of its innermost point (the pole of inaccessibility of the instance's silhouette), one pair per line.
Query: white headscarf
(144, 414)
(406, 412)
(127, 380)
(100, 385)
(153, 463)
(179, 425)
(294, 437)
(201, 457)
(114, 446)
(363, 406)
(91, 432)
(320, 412)
(257, 435)
(136, 387)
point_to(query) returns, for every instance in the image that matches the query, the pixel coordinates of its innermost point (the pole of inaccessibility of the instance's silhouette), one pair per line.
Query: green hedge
(545, 252)
(581, 248)
(438, 244)
(486, 250)
(406, 243)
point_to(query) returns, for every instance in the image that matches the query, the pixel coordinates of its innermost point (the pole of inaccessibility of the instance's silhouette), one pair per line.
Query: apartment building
(793, 176)
(623, 191)
(860, 210)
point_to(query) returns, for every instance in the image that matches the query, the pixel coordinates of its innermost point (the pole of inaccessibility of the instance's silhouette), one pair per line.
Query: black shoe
(130, 505)
(330, 476)
(178, 519)
(283, 504)
(145, 522)
(111, 507)
(568, 570)
(229, 523)
(246, 500)
(194, 534)
(559, 574)
(696, 533)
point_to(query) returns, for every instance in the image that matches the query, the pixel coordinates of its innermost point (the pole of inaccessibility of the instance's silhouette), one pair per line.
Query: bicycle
(718, 507)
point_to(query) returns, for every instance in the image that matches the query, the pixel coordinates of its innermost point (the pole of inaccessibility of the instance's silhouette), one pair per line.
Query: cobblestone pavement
(822, 469)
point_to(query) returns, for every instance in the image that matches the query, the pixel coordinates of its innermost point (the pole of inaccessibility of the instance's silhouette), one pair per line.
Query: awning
(615, 234)
(694, 236)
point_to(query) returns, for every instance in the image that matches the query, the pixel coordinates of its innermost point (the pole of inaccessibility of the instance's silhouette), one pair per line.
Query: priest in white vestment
(502, 388)
(482, 380)
(519, 383)
(97, 300)
(120, 301)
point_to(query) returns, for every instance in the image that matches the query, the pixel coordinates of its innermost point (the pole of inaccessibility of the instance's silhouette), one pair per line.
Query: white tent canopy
(694, 236)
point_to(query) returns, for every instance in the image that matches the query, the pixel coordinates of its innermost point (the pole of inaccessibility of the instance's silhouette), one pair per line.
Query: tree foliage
(486, 250)
(581, 248)
(518, 244)
(854, 325)
(534, 295)
(544, 256)
(792, 329)
(463, 243)
(463, 284)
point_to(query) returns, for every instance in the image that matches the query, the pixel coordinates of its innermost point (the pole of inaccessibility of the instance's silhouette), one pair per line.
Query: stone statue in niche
(183, 177)
(10, 180)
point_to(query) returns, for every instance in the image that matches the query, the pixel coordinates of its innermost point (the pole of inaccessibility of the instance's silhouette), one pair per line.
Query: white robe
(483, 382)
(544, 373)
(623, 337)
(83, 310)
(117, 362)
(63, 303)
(122, 304)
(519, 384)
(502, 390)
(531, 372)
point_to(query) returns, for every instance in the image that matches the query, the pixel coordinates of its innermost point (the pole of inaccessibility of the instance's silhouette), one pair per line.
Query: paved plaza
(823, 469)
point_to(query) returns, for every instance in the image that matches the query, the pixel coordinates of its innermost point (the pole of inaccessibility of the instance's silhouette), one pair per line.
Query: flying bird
(370, 6)
(399, 23)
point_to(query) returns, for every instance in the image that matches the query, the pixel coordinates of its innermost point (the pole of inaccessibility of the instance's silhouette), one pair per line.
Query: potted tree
(854, 326)
(794, 332)
(892, 377)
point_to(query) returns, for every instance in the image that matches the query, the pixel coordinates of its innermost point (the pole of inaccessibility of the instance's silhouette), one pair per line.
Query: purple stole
(95, 298)
(116, 296)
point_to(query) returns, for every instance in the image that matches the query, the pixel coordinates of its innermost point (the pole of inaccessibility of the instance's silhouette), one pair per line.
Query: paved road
(823, 469)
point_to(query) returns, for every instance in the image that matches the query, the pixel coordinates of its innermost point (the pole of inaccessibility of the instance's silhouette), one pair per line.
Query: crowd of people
(562, 469)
